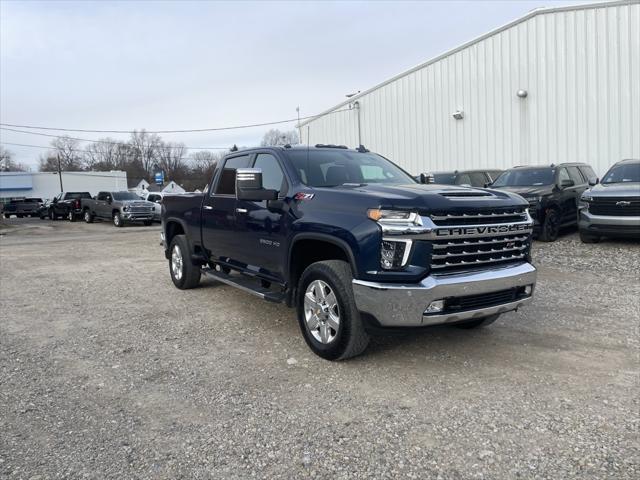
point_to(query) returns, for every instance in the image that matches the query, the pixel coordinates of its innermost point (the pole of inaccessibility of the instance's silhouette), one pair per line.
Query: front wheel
(87, 216)
(52, 215)
(71, 217)
(550, 227)
(117, 220)
(481, 322)
(184, 273)
(6, 215)
(327, 312)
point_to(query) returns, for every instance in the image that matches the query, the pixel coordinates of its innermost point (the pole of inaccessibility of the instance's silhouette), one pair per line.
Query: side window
(575, 175)
(272, 176)
(463, 179)
(478, 179)
(227, 182)
(102, 196)
(563, 175)
(587, 171)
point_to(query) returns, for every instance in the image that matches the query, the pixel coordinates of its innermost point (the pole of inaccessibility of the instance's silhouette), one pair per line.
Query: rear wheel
(327, 313)
(480, 322)
(550, 227)
(184, 273)
(87, 216)
(587, 238)
(117, 220)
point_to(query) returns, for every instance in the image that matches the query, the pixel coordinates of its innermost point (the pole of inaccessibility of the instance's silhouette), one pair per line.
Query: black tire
(19, 215)
(117, 220)
(551, 227)
(481, 322)
(52, 215)
(71, 216)
(87, 216)
(588, 238)
(148, 222)
(7, 215)
(185, 275)
(350, 338)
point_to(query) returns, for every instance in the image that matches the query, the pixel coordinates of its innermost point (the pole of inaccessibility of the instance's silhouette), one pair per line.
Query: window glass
(478, 179)
(123, 196)
(272, 176)
(587, 171)
(102, 196)
(463, 179)
(625, 172)
(563, 175)
(526, 177)
(493, 174)
(444, 178)
(575, 175)
(227, 182)
(332, 168)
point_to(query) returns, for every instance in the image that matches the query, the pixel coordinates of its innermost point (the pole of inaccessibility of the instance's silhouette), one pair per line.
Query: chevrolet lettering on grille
(482, 230)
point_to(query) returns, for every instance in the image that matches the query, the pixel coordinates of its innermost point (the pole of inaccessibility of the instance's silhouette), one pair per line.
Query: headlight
(393, 216)
(394, 252)
(587, 198)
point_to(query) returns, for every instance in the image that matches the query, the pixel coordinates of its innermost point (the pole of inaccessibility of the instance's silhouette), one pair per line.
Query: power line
(193, 130)
(107, 142)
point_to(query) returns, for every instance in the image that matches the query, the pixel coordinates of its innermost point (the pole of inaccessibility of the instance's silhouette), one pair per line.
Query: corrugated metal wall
(580, 67)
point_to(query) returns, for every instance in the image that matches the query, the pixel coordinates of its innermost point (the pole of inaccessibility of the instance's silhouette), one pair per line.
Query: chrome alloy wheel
(176, 262)
(321, 312)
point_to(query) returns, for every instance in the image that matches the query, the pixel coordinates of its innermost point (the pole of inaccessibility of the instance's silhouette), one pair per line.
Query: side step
(246, 284)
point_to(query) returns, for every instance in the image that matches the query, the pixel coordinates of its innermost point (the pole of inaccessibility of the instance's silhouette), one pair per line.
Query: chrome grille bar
(478, 252)
(477, 261)
(464, 243)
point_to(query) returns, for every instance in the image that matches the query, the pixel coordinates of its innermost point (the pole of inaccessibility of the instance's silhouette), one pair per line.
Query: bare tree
(171, 160)
(277, 137)
(66, 154)
(7, 164)
(145, 148)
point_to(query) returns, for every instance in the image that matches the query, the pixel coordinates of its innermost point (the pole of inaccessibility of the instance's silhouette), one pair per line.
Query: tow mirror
(424, 178)
(593, 181)
(249, 186)
(566, 183)
(108, 199)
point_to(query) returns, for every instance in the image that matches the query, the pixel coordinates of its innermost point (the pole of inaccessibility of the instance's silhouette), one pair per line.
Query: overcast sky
(179, 65)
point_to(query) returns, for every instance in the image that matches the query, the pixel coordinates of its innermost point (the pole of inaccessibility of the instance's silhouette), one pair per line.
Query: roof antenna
(234, 148)
(361, 148)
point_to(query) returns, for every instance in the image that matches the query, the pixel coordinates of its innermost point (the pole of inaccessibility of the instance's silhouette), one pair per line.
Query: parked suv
(472, 178)
(353, 242)
(119, 207)
(612, 207)
(552, 191)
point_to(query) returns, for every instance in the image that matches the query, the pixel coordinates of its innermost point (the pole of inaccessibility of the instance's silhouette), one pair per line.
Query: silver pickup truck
(119, 207)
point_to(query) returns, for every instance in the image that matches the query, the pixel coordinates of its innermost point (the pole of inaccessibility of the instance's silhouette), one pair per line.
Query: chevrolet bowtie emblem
(623, 203)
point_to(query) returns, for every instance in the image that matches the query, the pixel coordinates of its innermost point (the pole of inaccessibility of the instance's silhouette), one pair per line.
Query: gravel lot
(108, 371)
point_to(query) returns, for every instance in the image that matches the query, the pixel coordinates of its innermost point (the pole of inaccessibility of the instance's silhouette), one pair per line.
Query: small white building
(560, 84)
(46, 185)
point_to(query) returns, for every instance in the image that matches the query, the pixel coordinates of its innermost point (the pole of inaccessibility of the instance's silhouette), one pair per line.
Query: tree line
(143, 155)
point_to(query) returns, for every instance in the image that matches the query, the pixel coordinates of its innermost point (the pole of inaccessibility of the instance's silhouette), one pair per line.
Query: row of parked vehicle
(566, 195)
(118, 207)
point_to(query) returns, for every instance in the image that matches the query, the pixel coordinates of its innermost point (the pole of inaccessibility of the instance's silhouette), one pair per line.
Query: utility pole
(299, 128)
(60, 173)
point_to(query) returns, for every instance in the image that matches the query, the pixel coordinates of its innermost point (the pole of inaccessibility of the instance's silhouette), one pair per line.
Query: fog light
(435, 306)
(393, 254)
(528, 289)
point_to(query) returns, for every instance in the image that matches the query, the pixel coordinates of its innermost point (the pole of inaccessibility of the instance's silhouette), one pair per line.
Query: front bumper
(404, 305)
(137, 217)
(608, 225)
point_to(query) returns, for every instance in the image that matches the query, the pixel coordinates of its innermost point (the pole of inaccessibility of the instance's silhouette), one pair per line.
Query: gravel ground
(108, 371)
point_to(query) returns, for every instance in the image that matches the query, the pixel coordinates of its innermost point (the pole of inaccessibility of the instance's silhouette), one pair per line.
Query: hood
(622, 189)
(529, 191)
(419, 197)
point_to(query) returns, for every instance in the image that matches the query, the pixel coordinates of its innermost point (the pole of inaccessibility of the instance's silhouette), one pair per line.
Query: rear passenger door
(102, 208)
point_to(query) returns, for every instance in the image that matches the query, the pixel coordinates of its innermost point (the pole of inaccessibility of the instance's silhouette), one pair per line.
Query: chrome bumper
(404, 305)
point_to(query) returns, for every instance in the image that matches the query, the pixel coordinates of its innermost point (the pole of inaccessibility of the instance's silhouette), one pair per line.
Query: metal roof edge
(513, 23)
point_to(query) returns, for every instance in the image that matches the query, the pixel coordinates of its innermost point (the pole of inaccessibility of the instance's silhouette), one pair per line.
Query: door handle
(208, 207)
(241, 210)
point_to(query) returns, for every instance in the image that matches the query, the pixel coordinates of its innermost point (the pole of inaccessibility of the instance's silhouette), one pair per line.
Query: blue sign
(160, 178)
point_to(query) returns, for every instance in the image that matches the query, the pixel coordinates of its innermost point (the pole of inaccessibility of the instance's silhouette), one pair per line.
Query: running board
(245, 284)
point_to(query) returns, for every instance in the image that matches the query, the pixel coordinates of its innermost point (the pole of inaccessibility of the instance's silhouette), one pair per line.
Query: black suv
(553, 193)
(472, 178)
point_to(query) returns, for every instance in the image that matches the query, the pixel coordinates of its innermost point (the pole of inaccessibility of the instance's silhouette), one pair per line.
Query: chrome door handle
(241, 210)
(208, 207)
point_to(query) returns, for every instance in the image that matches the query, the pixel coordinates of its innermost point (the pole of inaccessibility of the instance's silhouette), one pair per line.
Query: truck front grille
(139, 210)
(484, 300)
(616, 206)
(473, 251)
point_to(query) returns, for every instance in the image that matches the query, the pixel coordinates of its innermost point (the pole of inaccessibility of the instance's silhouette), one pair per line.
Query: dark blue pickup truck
(353, 242)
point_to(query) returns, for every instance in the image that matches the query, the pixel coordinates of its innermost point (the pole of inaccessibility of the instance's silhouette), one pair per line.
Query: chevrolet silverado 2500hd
(353, 242)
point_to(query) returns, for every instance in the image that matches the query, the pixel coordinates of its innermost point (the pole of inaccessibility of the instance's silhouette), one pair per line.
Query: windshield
(324, 168)
(444, 178)
(627, 172)
(526, 177)
(75, 195)
(125, 196)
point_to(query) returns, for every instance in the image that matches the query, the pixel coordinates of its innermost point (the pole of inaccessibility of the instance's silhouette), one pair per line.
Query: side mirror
(567, 183)
(109, 200)
(593, 181)
(425, 178)
(249, 186)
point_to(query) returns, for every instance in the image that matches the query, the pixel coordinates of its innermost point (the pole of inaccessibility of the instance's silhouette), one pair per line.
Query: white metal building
(46, 185)
(559, 84)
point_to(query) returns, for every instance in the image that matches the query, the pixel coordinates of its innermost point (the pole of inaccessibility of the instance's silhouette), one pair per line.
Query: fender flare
(325, 238)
